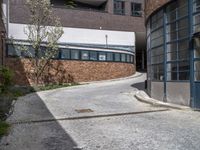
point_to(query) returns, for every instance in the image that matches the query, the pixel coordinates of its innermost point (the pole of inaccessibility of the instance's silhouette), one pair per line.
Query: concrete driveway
(103, 115)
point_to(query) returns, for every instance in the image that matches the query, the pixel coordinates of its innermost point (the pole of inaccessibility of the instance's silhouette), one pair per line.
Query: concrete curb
(143, 97)
(106, 115)
(136, 75)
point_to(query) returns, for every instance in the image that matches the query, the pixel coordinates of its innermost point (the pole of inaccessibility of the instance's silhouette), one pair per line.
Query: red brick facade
(63, 71)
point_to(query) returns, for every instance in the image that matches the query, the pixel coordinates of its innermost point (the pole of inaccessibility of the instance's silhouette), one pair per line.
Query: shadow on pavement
(32, 136)
(139, 86)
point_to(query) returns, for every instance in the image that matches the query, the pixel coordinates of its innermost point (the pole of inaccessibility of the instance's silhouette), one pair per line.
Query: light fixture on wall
(106, 36)
(196, 40)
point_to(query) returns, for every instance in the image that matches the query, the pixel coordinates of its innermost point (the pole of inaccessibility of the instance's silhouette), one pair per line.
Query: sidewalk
(143, 97)
(137, 74)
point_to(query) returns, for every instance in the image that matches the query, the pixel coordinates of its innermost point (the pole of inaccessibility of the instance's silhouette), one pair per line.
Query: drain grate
(84, 110)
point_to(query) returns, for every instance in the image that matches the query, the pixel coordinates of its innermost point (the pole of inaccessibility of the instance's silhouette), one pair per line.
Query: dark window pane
(172, 47)
(183, 50)
(172, 67)
(93, 55)
(157, 20)
(123, 57)
(196, 49)
(157, 51)
(197, 76)
(119, 7)
(183, 8)
(196, 20)
(74, 54)
(197, 66)
(157, 42)
(171, 12)
(183, 33)
(109, 56)
(184, 66)
(128, 58)
(157, 72)
(172, 56)
(183, 23)
(172, 76)
(27, 51)
(136, 9)
(157, 33)
(102, 56)
(13, 50)
(117, 56)
(184, 75)
(65, 54)
(84, 55)
(132, 59)
(196, 5)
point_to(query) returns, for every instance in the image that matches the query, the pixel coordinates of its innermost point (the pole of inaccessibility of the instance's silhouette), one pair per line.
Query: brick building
(173, 50)
(100, 41)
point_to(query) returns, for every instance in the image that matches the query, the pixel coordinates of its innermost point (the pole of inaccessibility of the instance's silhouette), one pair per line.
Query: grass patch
(13, 93)
(4, 128)
(18, 91)
(53, 86)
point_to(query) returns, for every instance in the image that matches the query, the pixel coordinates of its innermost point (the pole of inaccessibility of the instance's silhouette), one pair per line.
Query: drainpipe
(142, 60)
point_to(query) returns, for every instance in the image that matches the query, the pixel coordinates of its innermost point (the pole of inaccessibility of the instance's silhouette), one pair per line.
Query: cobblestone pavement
(99, 116)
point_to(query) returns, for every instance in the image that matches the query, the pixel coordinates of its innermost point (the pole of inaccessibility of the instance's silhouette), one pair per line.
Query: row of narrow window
(74, 54)
(175, 39)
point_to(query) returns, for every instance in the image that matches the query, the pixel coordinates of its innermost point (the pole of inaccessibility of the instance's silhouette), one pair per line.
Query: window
(20, 51)
(196, 5)
(102, 56)
(93, 55)
(128, 58)
(69, 54)
(177, 41)
(196, 20)
(13, 51)
(117, 56)
(75, 54)
(136, 9)
(196, 70)
(156, 51)
(123, 57)
(29, 52)
(109, 56)
(157, 72)
(65, 54)
(84, 55)
(119, 8)
(132, 59)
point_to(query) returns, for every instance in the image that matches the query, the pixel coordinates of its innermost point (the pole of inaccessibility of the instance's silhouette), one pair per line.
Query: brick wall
(85, 19)
(152, 5)
(62, 71)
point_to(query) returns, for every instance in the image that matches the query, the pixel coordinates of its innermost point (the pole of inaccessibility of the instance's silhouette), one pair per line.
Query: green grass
(53, 86)
(4, 128)
(15, 92)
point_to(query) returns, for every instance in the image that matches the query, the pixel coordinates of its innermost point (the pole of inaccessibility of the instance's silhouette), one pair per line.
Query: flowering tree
(44, 30)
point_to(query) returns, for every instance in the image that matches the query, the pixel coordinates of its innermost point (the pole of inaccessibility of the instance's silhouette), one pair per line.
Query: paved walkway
(103, 115)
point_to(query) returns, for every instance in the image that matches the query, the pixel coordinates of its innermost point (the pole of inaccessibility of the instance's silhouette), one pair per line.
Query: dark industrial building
(173, 50)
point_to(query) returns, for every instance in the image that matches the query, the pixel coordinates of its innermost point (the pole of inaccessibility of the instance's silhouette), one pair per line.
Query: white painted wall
(85, 36)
